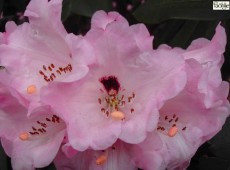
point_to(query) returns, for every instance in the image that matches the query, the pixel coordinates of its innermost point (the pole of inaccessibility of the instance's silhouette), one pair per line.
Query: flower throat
(113, 100)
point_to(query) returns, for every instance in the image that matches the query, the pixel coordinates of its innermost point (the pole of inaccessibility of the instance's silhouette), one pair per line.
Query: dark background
(172, 22)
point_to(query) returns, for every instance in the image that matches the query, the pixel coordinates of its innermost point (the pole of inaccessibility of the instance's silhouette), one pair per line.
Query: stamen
(171, 125)
(40, 127)
(49, 71)
(172, 131)
(132, 110)
(114, 101)
(101, 159)
(44, 67)
(99, 100)
(31, 89)
(118, 115)
(24, 136)
(184, 128)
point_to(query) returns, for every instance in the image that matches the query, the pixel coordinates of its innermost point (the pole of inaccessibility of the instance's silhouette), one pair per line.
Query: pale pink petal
(41, 56)
(68, 150)
(10, 27)
(145, 155)
(198, 112)
(78, 46)
(204, 51)
(41, 12)
(87, 126)
(31, 150)
(101, 19)
(117, 157)
(143, 38)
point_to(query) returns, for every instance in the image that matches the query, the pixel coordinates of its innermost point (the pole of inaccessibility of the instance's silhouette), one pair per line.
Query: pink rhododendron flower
(194, 115)
(30, 142)
(37, 53)
(115, 99)
(106, 100)
(113, 158)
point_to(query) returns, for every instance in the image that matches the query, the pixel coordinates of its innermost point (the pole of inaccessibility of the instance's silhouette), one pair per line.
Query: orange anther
(101, 160)
(172, 131)
(31, 89)
(24, 136)
(118, 115)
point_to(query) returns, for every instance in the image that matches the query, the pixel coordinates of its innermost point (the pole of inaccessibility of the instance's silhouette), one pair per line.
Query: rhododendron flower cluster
(107, 99)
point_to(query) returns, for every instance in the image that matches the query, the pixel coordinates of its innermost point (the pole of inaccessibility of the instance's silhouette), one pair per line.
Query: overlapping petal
(145, 80)
(37, 53)
(113, 158)
(196, 114)
(27, 140)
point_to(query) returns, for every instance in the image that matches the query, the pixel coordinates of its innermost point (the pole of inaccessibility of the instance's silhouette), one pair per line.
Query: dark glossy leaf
(3, 159)
(155, 11)
(192, 30)
(1, 5)
(66, 9)
(84, 7)
(182, 32)
(211, 163)
(226, 66)
(221, 142)
(12, 6)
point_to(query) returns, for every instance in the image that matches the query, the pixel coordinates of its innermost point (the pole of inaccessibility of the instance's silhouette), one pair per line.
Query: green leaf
(155, 11)
(84, 7)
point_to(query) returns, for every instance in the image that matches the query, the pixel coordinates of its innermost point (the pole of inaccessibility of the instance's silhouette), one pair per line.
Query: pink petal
(87, 127)
(34, 51)
(101, 19)
(143, 38)
(205, 52)
(41, 12)
(146, 156)
(31, 152)
(117, 158)
(78, 46)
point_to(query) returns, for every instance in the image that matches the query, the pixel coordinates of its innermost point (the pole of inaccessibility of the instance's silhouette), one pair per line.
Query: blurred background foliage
(172, 22)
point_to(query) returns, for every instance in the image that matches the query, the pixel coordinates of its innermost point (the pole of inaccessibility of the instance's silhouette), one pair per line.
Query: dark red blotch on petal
(109, 83)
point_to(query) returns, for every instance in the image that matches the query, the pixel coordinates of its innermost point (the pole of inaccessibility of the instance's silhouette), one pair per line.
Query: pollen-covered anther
(172, 131)
(101, 160)
(31, 89)
(24, 136)
(117, 115)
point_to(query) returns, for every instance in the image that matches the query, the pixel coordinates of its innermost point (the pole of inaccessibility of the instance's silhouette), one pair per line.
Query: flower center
(113, 100)
(41, 127)
(170, 125)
